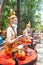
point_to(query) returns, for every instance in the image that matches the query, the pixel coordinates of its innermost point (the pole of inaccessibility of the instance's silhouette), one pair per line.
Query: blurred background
(26, 10)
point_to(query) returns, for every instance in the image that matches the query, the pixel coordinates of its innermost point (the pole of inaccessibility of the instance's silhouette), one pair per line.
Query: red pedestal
(7, 60)
(28, 59)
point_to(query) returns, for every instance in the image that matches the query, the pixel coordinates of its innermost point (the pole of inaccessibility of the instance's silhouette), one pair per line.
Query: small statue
(27, 30)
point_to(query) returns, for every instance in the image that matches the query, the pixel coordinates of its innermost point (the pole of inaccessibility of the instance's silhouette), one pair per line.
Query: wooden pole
(18, 15)
(1, 10)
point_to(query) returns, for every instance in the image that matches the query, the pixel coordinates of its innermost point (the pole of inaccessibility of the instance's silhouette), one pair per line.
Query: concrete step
(40, 50)
(39, 63)
(40, 54)
(40, 57)
(39, 46)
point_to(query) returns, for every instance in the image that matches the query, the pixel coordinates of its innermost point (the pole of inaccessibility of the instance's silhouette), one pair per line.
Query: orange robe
(10, 47)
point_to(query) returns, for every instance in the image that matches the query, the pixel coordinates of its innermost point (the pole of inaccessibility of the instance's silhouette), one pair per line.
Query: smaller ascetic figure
(28, 31)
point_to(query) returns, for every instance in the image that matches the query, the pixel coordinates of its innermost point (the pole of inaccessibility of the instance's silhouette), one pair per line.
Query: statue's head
(13, 20)
(13, 17)
(28, 25)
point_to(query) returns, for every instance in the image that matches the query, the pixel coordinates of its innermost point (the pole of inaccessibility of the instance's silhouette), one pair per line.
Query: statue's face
(15, 21)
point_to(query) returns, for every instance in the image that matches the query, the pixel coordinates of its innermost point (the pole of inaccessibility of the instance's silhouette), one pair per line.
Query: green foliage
(6, 12)
(27, 11)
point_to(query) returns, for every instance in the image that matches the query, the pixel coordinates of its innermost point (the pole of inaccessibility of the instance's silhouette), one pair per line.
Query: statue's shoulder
(9, 28)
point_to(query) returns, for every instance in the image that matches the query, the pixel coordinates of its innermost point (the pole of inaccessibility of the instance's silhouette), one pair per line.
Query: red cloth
(28, 59)
(7, 60)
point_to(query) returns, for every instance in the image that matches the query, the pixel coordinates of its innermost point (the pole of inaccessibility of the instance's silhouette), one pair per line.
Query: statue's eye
(12, 17)
(15, 20)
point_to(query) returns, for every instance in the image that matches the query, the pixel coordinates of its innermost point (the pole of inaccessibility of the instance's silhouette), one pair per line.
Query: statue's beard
(28, 29)
(15, 28)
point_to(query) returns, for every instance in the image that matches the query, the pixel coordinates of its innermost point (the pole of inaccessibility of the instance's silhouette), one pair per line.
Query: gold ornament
(12, 12)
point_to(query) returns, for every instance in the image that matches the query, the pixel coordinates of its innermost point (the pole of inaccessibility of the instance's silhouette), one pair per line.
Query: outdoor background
(26, 10)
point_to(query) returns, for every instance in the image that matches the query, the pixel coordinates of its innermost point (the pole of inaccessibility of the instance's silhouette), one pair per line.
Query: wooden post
(18, 15)
(1, 10)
